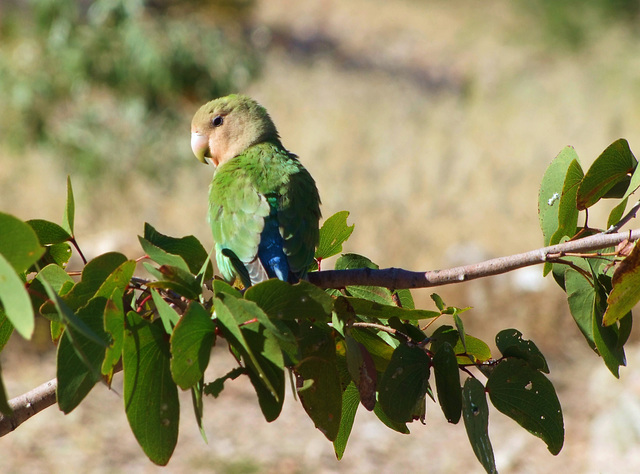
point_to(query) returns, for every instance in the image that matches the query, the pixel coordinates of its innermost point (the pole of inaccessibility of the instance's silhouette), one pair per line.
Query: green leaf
(163, 257)
(551, 190)
(611, 168)
(191, 343)
(15, 300)
(511, 344)
(460, 327)
(176, 279)
(167, 314)
(405, 299)
(445, 369)
(118, 278)
(350, 401)
(587, 302)
(113, 325)
(6, 329)
(475, 413)
(189, 248)
(198, 406)
(322, 399)
(476, 350)
(438, 301)
(267, 352)
(333, 233)
(567, 210)
(57, 254)
(69, 210)
(388, 422)
(626, 288)
(49, 232)
(616, 213)
(377, 294)
(380, 351)
(79, 359)
(94, 274)
(581, 298)
(282, 301)
(372, 309)
(67, 317)
(19, 243)
(215, 388)
(230, 312)
(150, 394)
(525, 395)
(404, 384)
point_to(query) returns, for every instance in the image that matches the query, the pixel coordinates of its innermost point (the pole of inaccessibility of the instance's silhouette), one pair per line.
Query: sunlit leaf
(350, 401)
(188, 248)
(333, 233)
(551, 190)
(19, 243)
(15, 300)
(612, 167)
(69, 210)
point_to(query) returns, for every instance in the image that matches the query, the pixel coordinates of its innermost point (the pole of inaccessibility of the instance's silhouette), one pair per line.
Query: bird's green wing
(236, 215)
(298, 216)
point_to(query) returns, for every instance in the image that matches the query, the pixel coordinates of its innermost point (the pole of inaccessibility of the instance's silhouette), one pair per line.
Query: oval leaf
(191, 343)
(404, 384)
(511, 344)
(524, 394)
(611, 168)
(475, 413)
(18, 243)
(150, 394)
(15, 300)
(445, 369)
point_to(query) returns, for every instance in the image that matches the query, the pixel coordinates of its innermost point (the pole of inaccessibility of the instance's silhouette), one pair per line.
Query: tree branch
(27, 405)
(36, 400)
(397, 278)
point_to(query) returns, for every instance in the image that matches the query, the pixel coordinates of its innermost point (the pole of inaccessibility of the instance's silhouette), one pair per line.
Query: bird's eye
(217, 121)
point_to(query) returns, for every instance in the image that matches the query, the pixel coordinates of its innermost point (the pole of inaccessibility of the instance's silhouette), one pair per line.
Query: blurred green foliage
(573, 23)
(109, 86)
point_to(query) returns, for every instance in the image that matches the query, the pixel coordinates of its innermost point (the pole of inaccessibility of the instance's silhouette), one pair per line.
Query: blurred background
(431, 122)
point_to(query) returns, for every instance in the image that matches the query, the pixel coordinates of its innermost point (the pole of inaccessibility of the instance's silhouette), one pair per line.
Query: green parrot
(264, 206)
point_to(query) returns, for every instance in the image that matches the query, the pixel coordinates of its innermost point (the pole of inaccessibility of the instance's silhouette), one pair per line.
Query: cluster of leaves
(360, 345)
(601, 287)
(103, 81)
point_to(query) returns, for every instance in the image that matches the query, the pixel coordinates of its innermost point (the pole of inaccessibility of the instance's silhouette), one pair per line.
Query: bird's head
(225, 127)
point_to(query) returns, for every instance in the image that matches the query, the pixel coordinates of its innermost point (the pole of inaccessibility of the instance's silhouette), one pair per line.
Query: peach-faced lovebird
(264, 206)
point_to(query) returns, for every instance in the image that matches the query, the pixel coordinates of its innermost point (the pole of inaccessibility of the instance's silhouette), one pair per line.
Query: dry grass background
(433, 123)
